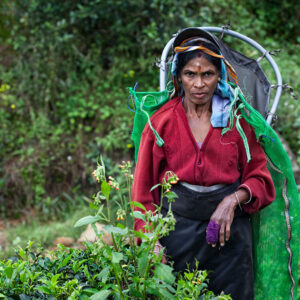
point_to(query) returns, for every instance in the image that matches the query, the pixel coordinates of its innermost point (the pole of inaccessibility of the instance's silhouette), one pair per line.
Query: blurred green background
(64, 69)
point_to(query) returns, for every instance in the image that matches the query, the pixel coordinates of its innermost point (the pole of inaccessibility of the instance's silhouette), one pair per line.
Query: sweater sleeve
(146, 174)
(256, 177)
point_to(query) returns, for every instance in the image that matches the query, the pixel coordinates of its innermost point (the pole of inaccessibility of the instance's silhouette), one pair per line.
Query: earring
(219, 79)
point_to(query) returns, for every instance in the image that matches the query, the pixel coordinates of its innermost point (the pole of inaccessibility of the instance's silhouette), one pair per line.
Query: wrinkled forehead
(200, 64)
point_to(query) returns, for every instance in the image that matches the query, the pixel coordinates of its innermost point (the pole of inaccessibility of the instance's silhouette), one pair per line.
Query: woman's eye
(208, 74)
(189, 74)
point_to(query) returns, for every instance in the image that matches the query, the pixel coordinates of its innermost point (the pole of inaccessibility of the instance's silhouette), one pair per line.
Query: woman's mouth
(199, 95)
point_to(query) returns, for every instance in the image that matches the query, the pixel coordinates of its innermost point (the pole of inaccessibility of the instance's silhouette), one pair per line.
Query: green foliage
(272, 13)
(64, 71)
(95, 273)
(121, 271)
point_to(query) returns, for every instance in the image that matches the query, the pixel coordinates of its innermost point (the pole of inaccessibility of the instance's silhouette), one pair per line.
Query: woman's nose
(198, 82)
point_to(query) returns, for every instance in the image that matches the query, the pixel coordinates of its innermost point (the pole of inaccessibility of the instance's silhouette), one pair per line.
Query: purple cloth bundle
(212, 232)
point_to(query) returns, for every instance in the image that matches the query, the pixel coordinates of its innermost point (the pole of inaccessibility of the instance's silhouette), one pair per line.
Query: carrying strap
(233, 113)
(159, 140)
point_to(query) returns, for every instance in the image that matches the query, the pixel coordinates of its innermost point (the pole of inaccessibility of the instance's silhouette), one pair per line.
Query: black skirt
(230, 267)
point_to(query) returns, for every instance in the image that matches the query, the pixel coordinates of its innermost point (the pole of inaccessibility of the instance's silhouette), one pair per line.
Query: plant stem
(114, 242)
(118, 282)
(161, 198)
(108, 210)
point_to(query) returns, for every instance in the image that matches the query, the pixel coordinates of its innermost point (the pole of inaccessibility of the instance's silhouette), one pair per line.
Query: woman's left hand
(223, 215)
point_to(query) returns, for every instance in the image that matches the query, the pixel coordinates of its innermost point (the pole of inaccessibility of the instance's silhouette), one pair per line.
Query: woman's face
(199, 79)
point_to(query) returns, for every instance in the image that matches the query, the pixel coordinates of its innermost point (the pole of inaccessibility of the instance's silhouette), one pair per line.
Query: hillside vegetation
(64, 69)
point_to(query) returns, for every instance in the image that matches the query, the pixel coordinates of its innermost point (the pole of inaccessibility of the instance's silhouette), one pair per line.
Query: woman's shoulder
(166, 111)
(163, 119)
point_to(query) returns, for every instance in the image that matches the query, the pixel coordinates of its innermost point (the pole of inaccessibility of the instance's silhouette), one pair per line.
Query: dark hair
(185, 57)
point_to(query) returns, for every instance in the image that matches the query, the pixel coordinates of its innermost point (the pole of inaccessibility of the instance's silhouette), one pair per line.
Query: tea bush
(95, 273)
(120, 271)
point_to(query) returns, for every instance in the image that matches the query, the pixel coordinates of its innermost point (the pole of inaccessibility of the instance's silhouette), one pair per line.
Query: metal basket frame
(262, 50)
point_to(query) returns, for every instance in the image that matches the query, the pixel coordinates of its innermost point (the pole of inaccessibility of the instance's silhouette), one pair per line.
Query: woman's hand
(223, 215)
(156, 251)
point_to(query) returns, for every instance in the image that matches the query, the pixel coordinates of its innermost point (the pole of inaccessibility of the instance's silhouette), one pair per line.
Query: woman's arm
(224, 213)
(256, 178)
(146, 174)
(256, 190)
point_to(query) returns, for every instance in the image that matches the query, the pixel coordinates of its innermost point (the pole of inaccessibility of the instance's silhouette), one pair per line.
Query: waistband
(202, 189)
(196, 205)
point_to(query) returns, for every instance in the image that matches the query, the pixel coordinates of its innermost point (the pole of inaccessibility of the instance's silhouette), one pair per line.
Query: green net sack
(146, 104)
(276, 228)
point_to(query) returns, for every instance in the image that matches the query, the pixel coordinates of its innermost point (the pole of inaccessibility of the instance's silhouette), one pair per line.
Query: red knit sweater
(220, 160)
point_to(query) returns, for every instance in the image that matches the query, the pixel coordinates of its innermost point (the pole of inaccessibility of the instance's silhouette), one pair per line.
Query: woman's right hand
(223, 215)
(156, 251)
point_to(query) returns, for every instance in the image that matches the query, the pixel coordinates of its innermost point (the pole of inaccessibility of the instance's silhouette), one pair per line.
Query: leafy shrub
(93, 274)
(67, 66)
(121, 271)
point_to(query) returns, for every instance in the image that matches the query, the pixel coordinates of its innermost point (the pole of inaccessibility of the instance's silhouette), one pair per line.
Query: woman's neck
(197, 111)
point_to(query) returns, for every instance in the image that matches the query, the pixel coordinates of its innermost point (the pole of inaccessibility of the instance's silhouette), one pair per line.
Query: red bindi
(199, 69)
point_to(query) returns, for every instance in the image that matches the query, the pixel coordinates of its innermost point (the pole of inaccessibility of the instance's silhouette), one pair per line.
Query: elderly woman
(218, 187)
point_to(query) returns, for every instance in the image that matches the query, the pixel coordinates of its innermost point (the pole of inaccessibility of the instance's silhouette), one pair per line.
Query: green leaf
(138, 204)
(153, 290)
(105, 189)
(155, 186)
(117, 230)
(164, 273)
(134, 292)
(138, 215)
(103, 275)
(171, 195)
(90, 291)
(55, 278)
(120, 225)
(22, 253)
(166, 294)
(87, 220)
(142, 263)
(21, 266)
(65, 261)
(44, 289)
(86, 272)
(102, 295)
(93, 206)
(77, 265)
(95, 229)
(116, 257)
(140, 235)
(23, 276)
(8, 272)
(189, 276)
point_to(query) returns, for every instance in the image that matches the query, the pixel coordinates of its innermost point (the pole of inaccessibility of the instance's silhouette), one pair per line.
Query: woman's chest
(218, 153)
(199, 128)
